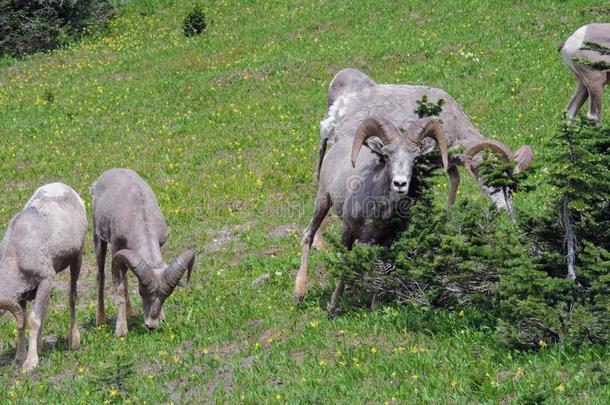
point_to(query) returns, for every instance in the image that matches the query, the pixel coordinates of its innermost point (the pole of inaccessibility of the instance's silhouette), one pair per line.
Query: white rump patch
(335, 113)
(52, 190)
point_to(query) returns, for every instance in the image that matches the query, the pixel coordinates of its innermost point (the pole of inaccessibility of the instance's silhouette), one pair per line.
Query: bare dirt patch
(224, 376)
(226, 235)
(285, 230)
(298, 356)
(270, 337)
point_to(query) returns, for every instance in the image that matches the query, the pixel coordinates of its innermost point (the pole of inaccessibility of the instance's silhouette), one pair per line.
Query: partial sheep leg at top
(578, 99)
(595, 81)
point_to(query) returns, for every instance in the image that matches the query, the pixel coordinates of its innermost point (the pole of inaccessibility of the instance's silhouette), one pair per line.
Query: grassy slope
(224, 127)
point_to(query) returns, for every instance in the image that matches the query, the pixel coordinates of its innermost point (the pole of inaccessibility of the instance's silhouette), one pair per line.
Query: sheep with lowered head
(43, 239)
(126, 214)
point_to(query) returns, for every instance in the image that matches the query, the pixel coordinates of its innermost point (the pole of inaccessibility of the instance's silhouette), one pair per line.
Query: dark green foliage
(429, 109)
(597, 65)
(539, 303)
(194, 22)
(28, 27)
(444, 258)
(592, 46)
(499, 174)
(470, 255)
(579, 171)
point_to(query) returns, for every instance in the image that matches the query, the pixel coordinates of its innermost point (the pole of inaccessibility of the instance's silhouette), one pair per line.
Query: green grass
(224, 127)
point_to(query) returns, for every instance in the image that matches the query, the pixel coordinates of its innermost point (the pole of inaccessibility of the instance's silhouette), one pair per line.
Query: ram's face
(400, 158)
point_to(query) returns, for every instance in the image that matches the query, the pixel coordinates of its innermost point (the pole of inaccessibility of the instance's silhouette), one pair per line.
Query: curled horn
(15, 309)
(130, 259)
(497, 146)
(432, 128)
(173, 273)
(379, 127)
(524, 157)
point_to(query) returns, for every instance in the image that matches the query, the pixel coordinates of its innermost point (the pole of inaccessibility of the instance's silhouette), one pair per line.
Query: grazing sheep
(126, 214)
(587, 54)
(368, 186)
(43, 239)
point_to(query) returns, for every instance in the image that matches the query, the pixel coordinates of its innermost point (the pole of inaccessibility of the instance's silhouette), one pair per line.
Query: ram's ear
(375, 145)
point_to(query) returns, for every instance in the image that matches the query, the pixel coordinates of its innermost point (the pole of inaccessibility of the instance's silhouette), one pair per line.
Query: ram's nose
(400, 184)
(151, 324)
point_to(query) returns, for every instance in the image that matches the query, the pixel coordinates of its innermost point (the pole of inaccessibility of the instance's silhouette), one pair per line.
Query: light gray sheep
(358, 97)
(126, 214)
(368, 186)
(354, 102)
(587, 54)
(43, 239)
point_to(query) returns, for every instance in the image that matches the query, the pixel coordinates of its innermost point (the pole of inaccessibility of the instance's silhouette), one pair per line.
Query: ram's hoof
(29, 365)
(298, 298)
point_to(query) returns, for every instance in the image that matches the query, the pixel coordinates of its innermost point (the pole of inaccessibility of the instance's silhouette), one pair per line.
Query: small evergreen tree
(194, 22)
(114, 375)
(470, 255)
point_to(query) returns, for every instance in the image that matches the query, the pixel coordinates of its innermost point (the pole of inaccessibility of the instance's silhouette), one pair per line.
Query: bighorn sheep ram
(587, 54)
(126, 214)
(353, 97)
(43, 239)
(368, 186)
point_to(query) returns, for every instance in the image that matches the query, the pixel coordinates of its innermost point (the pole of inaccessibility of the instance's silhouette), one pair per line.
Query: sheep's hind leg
(100, 247)
(577, 100)
(75, 267)
(35, 321)
(323, 204)
(21, 344)
(595, 85)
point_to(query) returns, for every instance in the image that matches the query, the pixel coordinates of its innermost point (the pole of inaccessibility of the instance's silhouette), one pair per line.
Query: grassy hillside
(224, 127)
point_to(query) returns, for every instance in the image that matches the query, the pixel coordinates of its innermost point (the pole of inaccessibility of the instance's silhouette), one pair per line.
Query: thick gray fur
(43, 239)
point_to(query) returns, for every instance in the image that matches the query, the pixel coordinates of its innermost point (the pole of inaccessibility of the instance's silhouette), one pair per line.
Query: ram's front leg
(35, 321)
(121, 301)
